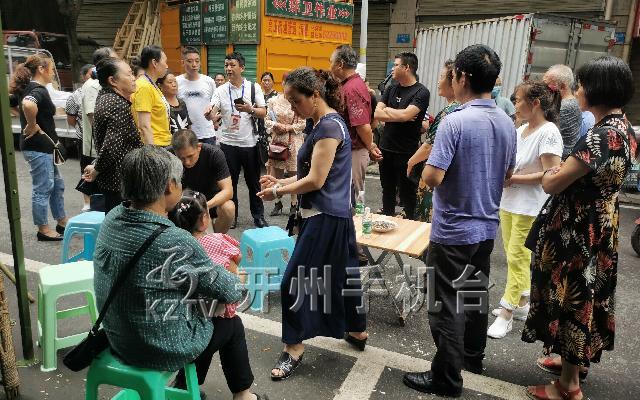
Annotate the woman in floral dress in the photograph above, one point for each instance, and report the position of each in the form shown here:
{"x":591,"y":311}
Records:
{"x":575,"y":267}
{"x":285,"y":128}
{"x":423,"y":203}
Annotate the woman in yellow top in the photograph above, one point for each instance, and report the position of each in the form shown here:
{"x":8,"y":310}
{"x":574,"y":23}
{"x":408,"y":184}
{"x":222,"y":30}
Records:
{"x":148,"y":105}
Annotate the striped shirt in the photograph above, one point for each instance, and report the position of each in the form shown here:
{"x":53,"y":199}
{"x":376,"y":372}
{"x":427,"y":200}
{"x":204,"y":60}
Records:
{"x":156,"y":319}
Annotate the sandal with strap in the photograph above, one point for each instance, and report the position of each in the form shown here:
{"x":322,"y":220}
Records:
{"x":548,"y":365}
{"x":287,"y":364}
{"x":540,"y":392}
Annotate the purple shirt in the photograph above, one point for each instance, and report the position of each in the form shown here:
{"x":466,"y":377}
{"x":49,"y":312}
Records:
{"x":476,"y":146}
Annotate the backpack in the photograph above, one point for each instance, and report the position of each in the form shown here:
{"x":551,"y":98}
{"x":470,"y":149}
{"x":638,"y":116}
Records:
{"x":259,"y":130}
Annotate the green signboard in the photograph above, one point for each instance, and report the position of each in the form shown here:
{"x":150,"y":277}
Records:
{"x":190,"y":24}
{"x":245,"y":21}
{"x":215,"y":22}
{"x":317,"y":10}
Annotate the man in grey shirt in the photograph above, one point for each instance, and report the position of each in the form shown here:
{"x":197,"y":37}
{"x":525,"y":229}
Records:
{"x":560,"y":78}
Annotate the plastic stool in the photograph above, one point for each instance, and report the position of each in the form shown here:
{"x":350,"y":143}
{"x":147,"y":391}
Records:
{"x":138,"y":383}
{"x":88,"y":225}
{"x":56,"y":281}
{"x":265,"y":254}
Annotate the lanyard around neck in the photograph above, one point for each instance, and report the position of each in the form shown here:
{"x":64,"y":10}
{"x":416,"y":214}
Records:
{"x":231,"y":99}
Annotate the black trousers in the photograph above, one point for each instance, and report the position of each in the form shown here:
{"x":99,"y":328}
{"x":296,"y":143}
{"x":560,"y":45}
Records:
{"x":460,"y":336}
{"x":393,"y":178}
{"x":111,"y":200}
{"x":247,"y":159}
{"x":229,"y":340}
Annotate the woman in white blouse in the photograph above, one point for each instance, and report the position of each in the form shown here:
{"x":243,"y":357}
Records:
{"x":539,"y":149}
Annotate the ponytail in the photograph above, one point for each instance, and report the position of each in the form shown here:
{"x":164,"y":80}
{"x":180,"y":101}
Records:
{"x":308,"y":80}
{"x":24,"y":73}
{"x":549,"y":97}
{"x":189,"y":210}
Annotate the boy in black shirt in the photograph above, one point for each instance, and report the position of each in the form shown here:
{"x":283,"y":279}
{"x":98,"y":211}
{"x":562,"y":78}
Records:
{"x":206,"y":171}
{"x":402,"y":109}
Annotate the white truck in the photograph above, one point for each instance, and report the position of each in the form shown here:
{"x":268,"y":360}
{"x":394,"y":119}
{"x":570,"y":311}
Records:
{"x":527,"y":45}
{"x":15,"y":55}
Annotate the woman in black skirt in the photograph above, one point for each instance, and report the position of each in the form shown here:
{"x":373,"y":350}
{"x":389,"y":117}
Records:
{"x":321,"y":291}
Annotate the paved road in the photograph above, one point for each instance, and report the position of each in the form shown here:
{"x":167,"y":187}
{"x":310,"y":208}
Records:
{"x":331,"y":369}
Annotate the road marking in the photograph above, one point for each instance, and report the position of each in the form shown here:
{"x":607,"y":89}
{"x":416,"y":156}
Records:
{"x":364,"y":375}
{"x":375,"y":359}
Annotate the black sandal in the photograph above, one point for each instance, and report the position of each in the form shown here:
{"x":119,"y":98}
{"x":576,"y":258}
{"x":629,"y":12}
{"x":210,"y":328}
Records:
{"x":287,"y":365}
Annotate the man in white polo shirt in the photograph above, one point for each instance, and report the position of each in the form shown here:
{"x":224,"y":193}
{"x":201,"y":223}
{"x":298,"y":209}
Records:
{"x":237,"y":137}
{"x":196,"y":90}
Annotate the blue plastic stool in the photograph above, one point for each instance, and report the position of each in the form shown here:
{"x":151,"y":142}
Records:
{"x":265,"y":254}
{"x":88,"y":225}
{"x":138,"y":383}
{"x":56,"y":281}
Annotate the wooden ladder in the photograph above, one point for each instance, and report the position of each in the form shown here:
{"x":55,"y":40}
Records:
{"x":141,"y":27}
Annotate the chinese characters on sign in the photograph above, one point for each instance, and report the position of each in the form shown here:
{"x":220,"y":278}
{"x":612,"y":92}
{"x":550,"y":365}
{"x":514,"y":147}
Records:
{"x":215,"y":23}
{"x":190,"y":24}
{"x":306,"y":30}
{"x":314,"y":10}
{"x":245,"y":21}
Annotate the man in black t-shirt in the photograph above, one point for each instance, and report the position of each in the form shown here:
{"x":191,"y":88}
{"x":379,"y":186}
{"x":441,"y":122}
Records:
{"x":402,"y":109}
{"x":206,"y":171}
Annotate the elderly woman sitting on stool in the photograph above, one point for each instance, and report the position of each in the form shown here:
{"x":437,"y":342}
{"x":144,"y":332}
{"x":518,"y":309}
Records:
{"x":155,"y":320}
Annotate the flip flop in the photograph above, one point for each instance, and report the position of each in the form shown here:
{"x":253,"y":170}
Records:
{"x":287,"y":364}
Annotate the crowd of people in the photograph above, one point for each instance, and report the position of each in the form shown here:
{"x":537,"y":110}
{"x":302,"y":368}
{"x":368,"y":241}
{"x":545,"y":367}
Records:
{"x":166,"y":151}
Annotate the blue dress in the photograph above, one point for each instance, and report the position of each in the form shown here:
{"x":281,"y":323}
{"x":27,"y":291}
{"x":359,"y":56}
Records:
{"x":321,"y":290}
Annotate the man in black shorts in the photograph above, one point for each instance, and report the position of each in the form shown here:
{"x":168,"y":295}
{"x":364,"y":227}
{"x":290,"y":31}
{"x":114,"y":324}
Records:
{"x":206,"y":171}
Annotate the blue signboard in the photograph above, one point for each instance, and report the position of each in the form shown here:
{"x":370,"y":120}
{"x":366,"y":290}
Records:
{"x":403,"y":38}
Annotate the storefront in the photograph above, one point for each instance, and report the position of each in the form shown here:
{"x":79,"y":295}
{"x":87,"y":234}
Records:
{"x":273,"y":35}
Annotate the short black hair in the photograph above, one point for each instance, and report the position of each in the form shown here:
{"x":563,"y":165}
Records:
{"x":189,"y":50}
{"x":160,"y":81}
{"x":347,"y":55}
{"x":409,"y":59}
{"x":236,"y":56}
{"x":149,"y":53}
{"x":221,"y":74}
{"x":267,"y":73}
{"x":100,"y":54}
{"x":106,"y":68}
{"x":184,"y":138}
{"x":606,"y":81}
{"x":481,"y":65}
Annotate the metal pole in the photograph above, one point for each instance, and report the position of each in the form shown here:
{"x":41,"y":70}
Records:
{"x":13,"y":212}
{"x":364,"y":17}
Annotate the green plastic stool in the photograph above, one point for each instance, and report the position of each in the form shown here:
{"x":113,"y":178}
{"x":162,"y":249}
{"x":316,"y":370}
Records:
{"x":56,"y":281}
{"x":138,"y":383}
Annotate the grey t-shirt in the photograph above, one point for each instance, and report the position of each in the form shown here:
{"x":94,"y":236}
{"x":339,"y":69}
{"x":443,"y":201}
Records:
{"x":569,"y":124}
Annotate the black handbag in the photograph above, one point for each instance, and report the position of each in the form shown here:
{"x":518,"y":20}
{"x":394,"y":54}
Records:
{"x":81,"y":356}
{"x":88,"y":188}
{"x":536,"y":227}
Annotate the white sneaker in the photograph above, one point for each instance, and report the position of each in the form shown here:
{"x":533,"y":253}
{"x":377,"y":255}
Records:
{"x":500,"y":328}
{"x":519,"y":313}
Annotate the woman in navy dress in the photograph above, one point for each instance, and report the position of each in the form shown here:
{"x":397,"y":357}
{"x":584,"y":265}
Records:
{"x":321,"y":291}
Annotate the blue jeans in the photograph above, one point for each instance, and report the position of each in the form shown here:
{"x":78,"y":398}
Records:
{"x":48,"y":187}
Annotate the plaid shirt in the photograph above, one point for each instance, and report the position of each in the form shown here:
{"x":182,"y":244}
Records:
{"x":221,"y":249}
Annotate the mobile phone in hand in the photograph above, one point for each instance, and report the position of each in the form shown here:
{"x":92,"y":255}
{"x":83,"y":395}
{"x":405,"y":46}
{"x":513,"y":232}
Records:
{"x":239,"y":100}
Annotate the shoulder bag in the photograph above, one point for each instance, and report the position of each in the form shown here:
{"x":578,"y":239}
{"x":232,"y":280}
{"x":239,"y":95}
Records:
{"x":81,"y":356}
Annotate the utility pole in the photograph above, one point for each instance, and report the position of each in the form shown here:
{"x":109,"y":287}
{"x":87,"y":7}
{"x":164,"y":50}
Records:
{"x":364,"y":17}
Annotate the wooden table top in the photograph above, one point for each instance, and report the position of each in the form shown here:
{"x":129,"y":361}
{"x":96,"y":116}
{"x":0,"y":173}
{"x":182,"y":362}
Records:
{"x":410,"y":237}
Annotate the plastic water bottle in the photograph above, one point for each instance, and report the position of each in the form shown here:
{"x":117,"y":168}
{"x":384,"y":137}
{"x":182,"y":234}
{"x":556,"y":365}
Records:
{"x":360,"y":203}
{"x":366,"y":221}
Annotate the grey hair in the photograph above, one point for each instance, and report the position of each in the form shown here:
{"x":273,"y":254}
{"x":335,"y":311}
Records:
{"x":146,"y":172}
{"x":347,"y":55}
{"x":562,"y":74}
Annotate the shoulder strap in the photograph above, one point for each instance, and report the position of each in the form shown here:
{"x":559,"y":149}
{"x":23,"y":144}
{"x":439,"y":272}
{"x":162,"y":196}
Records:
{"x":124,"y":274}
{"x":253,"y":93}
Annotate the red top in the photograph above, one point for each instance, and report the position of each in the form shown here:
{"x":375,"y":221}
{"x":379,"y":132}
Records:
{"x":357,"y":102}
{"x":222,"y":249}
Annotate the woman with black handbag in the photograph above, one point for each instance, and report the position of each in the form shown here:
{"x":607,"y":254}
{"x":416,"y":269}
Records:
{"x":39,"y":143}
{"x":285,"y":129}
